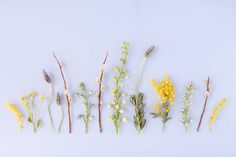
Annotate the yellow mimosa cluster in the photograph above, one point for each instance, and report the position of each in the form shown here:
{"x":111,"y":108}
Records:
{"x":164,"y":90}
{"x":217,"y":109}
{"x":17,"y":113}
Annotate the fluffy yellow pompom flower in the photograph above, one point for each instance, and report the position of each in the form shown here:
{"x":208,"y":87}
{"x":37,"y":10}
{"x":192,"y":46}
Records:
{"x":217,"y":109}
{"x":17,"y":113}
{"x":166,"y":94}
{"x":165,"y":89}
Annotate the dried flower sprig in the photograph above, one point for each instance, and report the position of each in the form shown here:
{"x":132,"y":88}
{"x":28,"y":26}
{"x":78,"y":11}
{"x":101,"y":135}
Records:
{"x":67,"y":94}
{"x":205,"y":103}
{"x":185,"y":112}
{"x":33,"y":112}
{"x":19,"y":116}
{"x":165,"y":92}
{"x":217,"y":110}
{"x":101,"y":89}
{"x":116,"y":103}
{"x":137,"y":98}
{"x":85,"y":94}
{"x":59,"y":104}
{"x":48,"y":80}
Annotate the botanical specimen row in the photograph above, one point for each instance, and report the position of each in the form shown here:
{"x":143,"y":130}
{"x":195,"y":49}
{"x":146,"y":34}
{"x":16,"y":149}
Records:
{"x":164,"y":89}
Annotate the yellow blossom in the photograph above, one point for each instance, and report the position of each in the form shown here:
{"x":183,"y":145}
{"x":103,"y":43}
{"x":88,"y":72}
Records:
{"x":17,"y":113}
{"x":164,"y":90}
{"x":33,"y":94}
{"x":42,"y":98}
{"x":217,"y":109}
{"x":157,"y":108}
{"x":166,"y":94}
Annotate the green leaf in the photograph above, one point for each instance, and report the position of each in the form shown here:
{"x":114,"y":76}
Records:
{"x":38,"y":123}
{"x":30,"y":120}
{"x":167,"y":119}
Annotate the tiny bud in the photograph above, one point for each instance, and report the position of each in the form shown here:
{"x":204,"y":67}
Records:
{"x":124,"y":119}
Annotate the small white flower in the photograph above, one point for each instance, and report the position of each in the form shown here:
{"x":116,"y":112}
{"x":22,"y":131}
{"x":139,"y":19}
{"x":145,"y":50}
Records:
{"x":113,"y":91}
{"x":109,"y":118}
{"x":117,"y":107}
{"x":66,"y":92}
{"x":123,"y":94}
{"x":124,"y":119}
{"x":97,"y":80}
{"x":116,"y":69}
{"x":121,"y":110}
{"x":90,"y":118}
{"x":113,"y":102}
{"x":121,"y":85}
{"x":124,"y":101}
{"x":108,"y":106}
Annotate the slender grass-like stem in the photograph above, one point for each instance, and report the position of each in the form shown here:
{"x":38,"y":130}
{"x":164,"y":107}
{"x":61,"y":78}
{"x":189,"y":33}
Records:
{"x":49,"y":106}
{"x":140,"y":72}
{"x":62,"y":117}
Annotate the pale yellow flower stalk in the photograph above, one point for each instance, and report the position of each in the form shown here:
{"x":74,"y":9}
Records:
{"x":217,"y":109}
{"x":17,"y":113}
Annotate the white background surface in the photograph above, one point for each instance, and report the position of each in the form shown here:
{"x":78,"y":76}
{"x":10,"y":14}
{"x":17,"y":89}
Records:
{"x":195,"y":39}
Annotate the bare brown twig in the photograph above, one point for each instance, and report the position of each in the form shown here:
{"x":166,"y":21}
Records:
{"x":100,"y":92}
{"x":66,"y":91}
{"x":206,"y":99}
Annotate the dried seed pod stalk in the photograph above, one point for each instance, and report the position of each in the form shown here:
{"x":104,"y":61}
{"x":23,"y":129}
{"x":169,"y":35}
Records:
{"x":84,"y":95}
{"x":117,"y":102}
{"x":100,"y":91}
{"x":67,"y":95}
{"x":137,"y":98}
{"x":185,"y":112}
{"x":205,"y":103}
{"x":48,"y":80}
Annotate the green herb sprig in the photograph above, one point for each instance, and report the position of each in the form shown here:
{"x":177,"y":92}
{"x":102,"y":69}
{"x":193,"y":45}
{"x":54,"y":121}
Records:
{"x":85,"y":94}
{"x":185,"y":112}
{"x":117,"y":101}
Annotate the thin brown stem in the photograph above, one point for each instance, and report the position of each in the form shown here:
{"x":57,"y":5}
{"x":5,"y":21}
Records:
{"x":100,"y":93}
{"x":206,"y":99}
{"x":66,"y":91}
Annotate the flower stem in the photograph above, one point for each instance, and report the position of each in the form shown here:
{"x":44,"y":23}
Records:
{"x":62,"y":117}
{"x":49,"y":106}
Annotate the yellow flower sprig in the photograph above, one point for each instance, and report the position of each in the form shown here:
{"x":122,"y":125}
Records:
{"x":33,"y":112}
{"x":217,"y":109}
{"x":18,"y":114}
{"x":166,"y":94}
